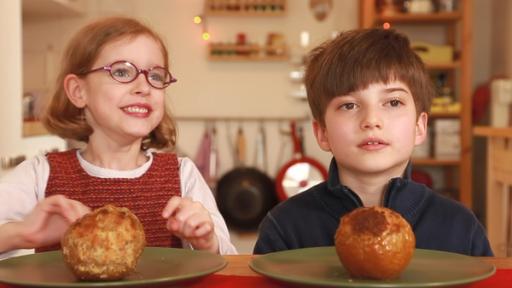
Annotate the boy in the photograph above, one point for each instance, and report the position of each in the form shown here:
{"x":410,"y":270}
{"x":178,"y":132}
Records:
{"x":369,"y":94}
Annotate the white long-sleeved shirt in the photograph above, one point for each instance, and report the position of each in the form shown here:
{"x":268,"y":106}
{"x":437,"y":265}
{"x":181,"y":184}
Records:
{"x":25,"y":186}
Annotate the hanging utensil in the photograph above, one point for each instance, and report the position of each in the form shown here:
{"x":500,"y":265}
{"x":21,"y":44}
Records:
{"x":214,"y":155}
{"x":240,"y":147}
{"x":260,"y":157}
{"x":202,"y":159}
{"x":300,"y":173}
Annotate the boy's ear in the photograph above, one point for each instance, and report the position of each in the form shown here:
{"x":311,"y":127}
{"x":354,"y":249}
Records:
{"x":421,"y":128}
{"x":73,"y":86}
{"x":321,"y":136}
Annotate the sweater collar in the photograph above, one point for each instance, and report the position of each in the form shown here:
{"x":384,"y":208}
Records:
{"x":402,"y":195}
{"x":334,"y":183}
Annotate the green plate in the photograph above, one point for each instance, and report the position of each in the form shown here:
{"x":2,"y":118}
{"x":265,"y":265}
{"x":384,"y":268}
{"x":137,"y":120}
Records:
{"x":321,"y":266}
{"x":155,"y":266}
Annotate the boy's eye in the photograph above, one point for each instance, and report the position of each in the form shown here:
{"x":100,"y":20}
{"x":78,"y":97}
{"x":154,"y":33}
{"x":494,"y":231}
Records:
{"x":348,"y":106}
{"x":395,"y":103}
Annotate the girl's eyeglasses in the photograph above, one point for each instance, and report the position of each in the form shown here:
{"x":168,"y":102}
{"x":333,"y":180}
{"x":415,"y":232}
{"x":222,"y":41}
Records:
{"x":126,"y":72}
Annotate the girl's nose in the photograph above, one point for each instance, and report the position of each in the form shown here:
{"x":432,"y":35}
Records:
{"x":142,"y":86}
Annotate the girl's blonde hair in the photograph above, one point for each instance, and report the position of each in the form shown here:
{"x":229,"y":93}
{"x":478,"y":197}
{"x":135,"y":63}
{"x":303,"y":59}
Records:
{"x":65,"y":119}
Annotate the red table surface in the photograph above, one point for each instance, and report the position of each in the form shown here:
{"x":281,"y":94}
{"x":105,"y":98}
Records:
{"x":502,"y":278}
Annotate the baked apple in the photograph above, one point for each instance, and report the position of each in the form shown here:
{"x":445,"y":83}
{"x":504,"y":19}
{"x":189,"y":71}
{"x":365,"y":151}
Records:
{"x":104,"y":244}
{"x":374,"y":243}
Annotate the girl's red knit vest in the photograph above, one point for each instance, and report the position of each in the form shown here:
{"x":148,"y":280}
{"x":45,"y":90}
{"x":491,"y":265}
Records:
{"x":146,"y":196}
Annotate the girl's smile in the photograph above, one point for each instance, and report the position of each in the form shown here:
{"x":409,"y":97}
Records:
{"x":137,"y":110}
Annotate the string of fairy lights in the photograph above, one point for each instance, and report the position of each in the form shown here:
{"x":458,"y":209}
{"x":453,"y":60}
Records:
{"x":200,"y":20}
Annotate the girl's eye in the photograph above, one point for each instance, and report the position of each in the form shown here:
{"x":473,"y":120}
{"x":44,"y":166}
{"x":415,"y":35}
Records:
{"x":123,"y":73}
{"x":157,"y":77}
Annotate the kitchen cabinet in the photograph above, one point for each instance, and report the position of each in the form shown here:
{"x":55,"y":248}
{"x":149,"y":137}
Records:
{"x":455,"y":28}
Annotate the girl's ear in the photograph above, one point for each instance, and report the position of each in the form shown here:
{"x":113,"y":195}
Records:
{"x":73,"y":86}
{"x":421,"y":128}
{"x":321,"y":136}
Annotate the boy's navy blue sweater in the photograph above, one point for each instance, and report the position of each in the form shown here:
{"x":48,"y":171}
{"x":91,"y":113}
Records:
{"x":310,"y":218}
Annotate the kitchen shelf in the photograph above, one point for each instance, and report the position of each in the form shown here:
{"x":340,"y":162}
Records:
{"x":503,"y":132}
{"x":421,"y":18}
{"x":445,"y":115}
{"x":249,"y":52}
{"x":275,"y":48}
{"x":244,"y":8}
{"x":245,"y":13}
{"x":33,"y":128}
{"x":443,"y":66}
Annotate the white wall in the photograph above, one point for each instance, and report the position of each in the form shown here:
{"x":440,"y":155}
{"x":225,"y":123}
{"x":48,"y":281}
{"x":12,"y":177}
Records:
{"x":10,"y":72}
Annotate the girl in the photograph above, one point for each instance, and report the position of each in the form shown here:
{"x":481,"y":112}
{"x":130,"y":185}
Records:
{"x":111,"y":95}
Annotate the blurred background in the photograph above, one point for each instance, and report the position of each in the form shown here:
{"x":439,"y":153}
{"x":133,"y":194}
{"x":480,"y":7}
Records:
{"x":240,"y":104}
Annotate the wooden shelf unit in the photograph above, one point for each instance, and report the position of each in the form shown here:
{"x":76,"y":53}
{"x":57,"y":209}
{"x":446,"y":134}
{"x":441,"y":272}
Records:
{"x":458,"y":33}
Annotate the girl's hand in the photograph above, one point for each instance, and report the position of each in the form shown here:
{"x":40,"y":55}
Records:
{"x":189,"y":220}
{"x":49,"y":220}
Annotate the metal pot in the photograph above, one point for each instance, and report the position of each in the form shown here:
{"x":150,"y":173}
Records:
{"x":245,"y":194}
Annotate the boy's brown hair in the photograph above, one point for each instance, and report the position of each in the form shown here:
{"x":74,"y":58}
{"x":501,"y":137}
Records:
{"x":66,"y":120}
{"x":357,"y":58}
